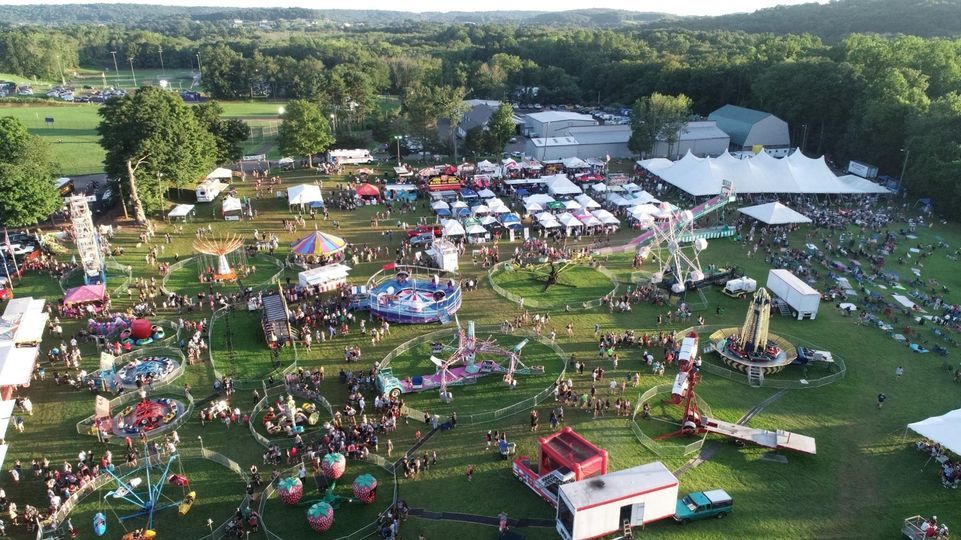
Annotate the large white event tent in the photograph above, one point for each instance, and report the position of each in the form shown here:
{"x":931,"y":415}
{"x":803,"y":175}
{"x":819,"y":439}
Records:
{"x":304,"y":194}
{"x":561,"y":185}
{"x":941,"y":429}
{"x":774,"y":213}
{"x":762,"y":173}
{"x":453,"y":228}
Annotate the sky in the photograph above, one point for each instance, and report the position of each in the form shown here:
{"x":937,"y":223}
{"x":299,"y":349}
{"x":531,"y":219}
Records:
{"x":679,"y":7}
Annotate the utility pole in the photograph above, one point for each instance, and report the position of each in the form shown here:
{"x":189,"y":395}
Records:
{"x":199,"y":68}
{"x":163,"y":70}
{"x":116,"y":70}
{"x":904,"y":166}
{"x":132,"y":72}
{"x":397,"y":139}
{"x":63,"y":81}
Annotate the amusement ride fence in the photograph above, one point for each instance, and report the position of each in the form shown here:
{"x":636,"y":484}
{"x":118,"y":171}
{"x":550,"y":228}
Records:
{"x":534,"y":303}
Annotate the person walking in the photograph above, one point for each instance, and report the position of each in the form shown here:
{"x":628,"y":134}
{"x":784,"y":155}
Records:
{"x":470,"y":473}
{"x":899,"y":371}
{"x":881,"y":399}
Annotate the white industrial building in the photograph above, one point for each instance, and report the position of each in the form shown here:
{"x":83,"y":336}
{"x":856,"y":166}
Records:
{"x":584,"y":142}
{"x":749,"y":128}
{"x":701,"y":138}
{"x":552,"y":123}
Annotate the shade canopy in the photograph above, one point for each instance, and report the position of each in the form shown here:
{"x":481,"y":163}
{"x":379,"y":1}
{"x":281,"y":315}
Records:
{"x":304,"y":194}
{"x":231,"y":204}
{"x":319,"y":243}
{"x":84,"y":294}
{"x":16,"y":364}
{"x":322,"y":275}
{"x":368,"y":190}
{"x":453,"y":228}
{"x":586,"y":201}
{"x":762,"y":173}
{"x":181,"y":210}
{"x":561,"y":185}
{"x":943,"y":430}
{"x":774,"y":213}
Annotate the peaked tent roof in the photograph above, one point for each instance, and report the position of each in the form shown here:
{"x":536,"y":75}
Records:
{"x":737,"y":121}
{"x":319,"y":243}
{"x":774,"y":213}
{"x":84,"y":294}
{"x":941,"y":429}
{"x":304,"y":194}
{"x":762,"y":173}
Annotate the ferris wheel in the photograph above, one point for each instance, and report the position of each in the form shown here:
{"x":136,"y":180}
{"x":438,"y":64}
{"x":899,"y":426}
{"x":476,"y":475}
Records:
{"x":672,"y":248}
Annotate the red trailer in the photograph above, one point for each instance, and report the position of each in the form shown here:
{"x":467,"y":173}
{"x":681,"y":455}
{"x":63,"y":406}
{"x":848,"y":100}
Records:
{"x":565,"y":457}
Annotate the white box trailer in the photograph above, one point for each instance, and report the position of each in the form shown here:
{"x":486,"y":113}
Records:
{"x":803,"y":299}
{"x":350,"y":157}
{"x":599,"y":506}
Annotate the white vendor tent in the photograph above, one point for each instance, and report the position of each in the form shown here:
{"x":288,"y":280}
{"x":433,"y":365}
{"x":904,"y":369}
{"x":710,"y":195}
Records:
{"x":531,"y":207}
{"x":572,"y":205}
{"x":486,"y":194}
{"x":220,"y":173}
{"x":944,"y":430}
{"x":586,"y":201}
{"x":23,"y":322}
{"x":304,"y":194}
{"x":476,"y":228}
{"x":16,"y":364}
{"x":181,"y":211}
{"x":231,"y":204}
{"x":453,"y":228}
{"x":439,"y":205}
{"x":547,"y":221}
{"x":561,"y":185}
{"x":762,"y":173}
{"x":539,"y":198}
{"x":568,"y":220}
{"x":575,"y":163}
{"x":774,"y":213}
{"x":642,"y":197}
{"x":6,"y":413}
{"x":605,"y":217}
{"x":324,"y":276}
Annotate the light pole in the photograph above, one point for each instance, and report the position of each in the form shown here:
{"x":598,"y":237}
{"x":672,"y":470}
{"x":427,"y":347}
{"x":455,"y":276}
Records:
{"x":63,"y":81}
{"x":397,"y":139}
{"x":904,"y":166}
{"x":200,"y":70}
{"x":132,"y":72}
{"x":804,"y":138}
{"x":333,"y":121}
{"x":201,"y":439}
{"x":116,"y":70}
{"x":163,"y":70}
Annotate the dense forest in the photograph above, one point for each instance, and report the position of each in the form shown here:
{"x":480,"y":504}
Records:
{"x":864,"y":96}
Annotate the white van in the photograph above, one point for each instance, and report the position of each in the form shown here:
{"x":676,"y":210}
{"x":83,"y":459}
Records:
{"x":349,"y":157}
{"x":208,"y":190}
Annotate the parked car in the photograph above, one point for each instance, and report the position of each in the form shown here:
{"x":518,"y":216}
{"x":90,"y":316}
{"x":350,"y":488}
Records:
{"x":422,"y":240}
{"x":437,"y":230}
{"x":715,"y":503}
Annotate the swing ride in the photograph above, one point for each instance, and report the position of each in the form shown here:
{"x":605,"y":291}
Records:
{"x":219,"y":248}
{"x":551,"y":274}
{"x":461,"y":367}
{"x":143,"y":488}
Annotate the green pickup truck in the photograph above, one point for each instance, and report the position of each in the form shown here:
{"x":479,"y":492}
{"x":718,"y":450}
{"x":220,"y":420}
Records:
{"x":703,"y":504}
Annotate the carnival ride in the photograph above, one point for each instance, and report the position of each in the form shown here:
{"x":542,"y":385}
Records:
{"x":87,"y":240}
{"x":143,"y":488}
{"x":668,"y":235}
{"x":693,"y":422}
{"x":289,"y":418}
{"x":320,"y":512}
{"x":407,"y":298}
{"x":565,"y":456}
{"x":552,"y":273}
{"x":146,"y":416}
{"x":219,"y":248}
{"x":461,"y":367}
{"x":752,"y":349}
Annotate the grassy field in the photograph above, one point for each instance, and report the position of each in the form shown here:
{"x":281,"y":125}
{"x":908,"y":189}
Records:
{"x":575,"y":286}
{"x":865,"y":478}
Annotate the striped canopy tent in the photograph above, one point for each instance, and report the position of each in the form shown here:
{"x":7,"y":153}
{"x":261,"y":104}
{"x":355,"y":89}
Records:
{"x":318,"y":243}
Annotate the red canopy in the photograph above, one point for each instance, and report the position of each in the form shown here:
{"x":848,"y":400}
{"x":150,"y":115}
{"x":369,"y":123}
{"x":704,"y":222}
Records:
{"x":84,"y":294}
{"x":368,"y":190}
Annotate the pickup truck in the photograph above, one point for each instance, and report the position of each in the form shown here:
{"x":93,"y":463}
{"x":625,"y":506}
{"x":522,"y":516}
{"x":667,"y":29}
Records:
{"x":715,"y":503}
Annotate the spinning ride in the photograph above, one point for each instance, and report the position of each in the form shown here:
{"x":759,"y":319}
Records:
{"x":679,"y":263}
{"x":143,"y":488}
{"x":147,"y":415}
{"x":461,"y":367}
{"x":219,"y":248}
{"x":407,"y":298}
{"x":153,"y":368}
{"x":752,"y":348}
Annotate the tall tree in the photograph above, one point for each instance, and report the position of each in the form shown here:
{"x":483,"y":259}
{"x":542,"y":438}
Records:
{"x":449,"y":103}
{"x":154,"y":141}
{"x":26,"y":176}
{"x":934,"y":140}
{"x":305,"y":130}
{"x":500,"y":126}
{"x":229,"y":134}
{"x":658,"y":117}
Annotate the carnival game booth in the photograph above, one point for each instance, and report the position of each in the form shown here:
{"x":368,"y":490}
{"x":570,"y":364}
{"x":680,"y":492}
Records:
{"x":565,"y":456}
{"x":368,"y":193}
{"x":232,"y":208}
{"x":85,"y":301}
{"x":304,"y":196}
{"x":601,"y":506}
{"x":413,"y":294}
{"x":324,"y":278}
{"x":182,"y":212}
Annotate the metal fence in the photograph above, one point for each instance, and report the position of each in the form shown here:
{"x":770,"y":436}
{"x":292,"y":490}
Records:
{"x":246,"y":384}
{"x":274,"y":391}
{"x":534,"y":303}
{"x":113,"y":269}
{"x":658,"y":447}
{"x":276,"y":261}
{"x":839,"y":367}
{"x":498,"y":414}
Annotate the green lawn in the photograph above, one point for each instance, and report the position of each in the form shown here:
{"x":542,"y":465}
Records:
{"x":575,"y":285}
{"x":865,"y":477}
{"x":185,"y":279}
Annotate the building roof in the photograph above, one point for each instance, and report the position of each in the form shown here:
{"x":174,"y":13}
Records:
{"x":737,"y":121}
{"x":618,"y":485}
{"x":774,"y":213}
{"x":553,"y":141}
{"x":700,"y":131}
{"x":599,"y":134}
{"x":558,"y":116}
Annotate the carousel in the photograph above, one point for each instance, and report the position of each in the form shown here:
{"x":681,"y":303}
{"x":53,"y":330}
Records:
{"x":317,"y":248}
{"x":289,"y":419}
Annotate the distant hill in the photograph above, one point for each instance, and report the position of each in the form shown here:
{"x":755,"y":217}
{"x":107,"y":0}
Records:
{"x":132,"y":14}
{"x":833,"y":21}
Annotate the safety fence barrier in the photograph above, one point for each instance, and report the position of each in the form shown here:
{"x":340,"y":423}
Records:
{"x":275,"y":261}
{"x":534,"y":303}
{"x":658,"y":447}
{"x":50,"y":527}
{"x":246,"y":384}
{"x":87,"y":426}
{"x":838,"y":368}
{"x":498,"y":414}
{"x":115,"y":271}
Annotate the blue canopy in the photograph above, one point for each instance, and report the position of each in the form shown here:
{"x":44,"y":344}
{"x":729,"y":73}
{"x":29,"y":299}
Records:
{"x":523,"y":192}
{"x":443,"y":212}
{"x":468,"y":193}
{"x":462,"y":212}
